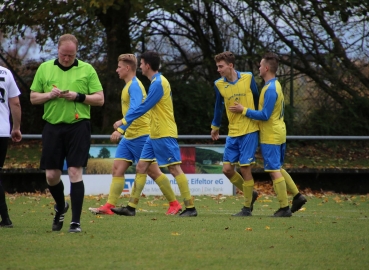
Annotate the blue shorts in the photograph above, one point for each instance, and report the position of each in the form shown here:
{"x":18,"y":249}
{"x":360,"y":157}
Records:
{"x":273,"y":156}
{"x":164,"y":150}
{"x":241,"y":149}
{"x":130,"y":150}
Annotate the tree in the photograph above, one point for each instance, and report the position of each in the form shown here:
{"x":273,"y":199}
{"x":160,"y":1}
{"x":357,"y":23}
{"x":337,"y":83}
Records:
{"x":330,"y":43}
{"x":104,"y":153}
{"x":103,"y":29}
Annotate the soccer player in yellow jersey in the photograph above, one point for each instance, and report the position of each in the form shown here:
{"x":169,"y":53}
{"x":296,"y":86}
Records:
{"x":161,"y":145}
{"x":273,"y":134}
{"x":130,"y":146}
{"x":242,"y":139}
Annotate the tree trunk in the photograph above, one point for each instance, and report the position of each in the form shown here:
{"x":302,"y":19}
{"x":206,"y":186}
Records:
{"x":116,"y":23}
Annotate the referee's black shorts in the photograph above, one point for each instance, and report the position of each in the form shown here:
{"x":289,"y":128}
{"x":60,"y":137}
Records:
{"x":65,"y":141}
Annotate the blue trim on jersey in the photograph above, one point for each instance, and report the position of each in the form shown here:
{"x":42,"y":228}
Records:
{"x":156,"y":92}
{"x":255,"y":90}
{"x":270,"y":97}
{"x":218,"y":108}
{"x":135,"y":97}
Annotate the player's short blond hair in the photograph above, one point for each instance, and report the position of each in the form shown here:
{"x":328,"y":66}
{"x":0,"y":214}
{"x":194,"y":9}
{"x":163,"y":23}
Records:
{"x":129,"y":59}
{"x":68,"y":37}
{"x":227,"y":57}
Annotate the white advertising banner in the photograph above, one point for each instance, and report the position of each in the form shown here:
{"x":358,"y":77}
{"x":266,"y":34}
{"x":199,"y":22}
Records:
{"x":200,"y":184}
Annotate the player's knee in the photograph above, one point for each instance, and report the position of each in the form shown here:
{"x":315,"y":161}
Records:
{"x":53,"y":177}
{"x":175,"y":170}
{"x":142,"y":167}
{"x":228,"y":172}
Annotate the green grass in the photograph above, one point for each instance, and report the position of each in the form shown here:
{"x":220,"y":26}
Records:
{"x":332,"y":233}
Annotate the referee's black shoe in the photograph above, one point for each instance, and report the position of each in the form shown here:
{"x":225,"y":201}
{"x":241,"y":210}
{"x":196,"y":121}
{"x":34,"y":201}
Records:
{"x":59,"y":218}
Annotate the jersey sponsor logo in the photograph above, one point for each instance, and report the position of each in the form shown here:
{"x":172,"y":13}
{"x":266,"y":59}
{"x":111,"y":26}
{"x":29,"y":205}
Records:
{"x":3,"y":72}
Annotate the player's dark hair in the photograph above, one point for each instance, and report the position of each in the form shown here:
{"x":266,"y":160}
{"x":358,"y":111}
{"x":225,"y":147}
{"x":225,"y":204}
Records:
{"x":227,"y":57}
{"x":272,"y":60}
{"x":152,"y":58}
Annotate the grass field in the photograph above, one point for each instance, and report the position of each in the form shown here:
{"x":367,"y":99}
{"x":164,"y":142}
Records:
{"x":330,"y":233}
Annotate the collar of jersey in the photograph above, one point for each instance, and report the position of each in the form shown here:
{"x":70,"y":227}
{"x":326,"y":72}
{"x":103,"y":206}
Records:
{"x":271,"y":80}
{"x":155,"y":76}
{"x":75,"y":64}
{"x":238,"y":77}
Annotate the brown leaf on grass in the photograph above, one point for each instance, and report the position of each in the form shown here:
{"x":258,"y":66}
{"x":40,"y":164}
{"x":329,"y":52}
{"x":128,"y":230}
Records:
{"x":248,"y":229}
{"x":226,"y":228}
{"x":154,"y":218}
{"x":175,"y":233}
{"x":271,"y":247}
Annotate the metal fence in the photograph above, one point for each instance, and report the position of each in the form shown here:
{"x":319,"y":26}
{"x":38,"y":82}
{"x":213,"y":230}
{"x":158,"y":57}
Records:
{"x":202,"y":137}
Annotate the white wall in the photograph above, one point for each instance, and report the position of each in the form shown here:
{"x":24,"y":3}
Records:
{"x":200,"y":184}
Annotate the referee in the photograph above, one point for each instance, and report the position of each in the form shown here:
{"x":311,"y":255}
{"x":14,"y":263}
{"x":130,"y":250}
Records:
{"x":67,"y":87}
